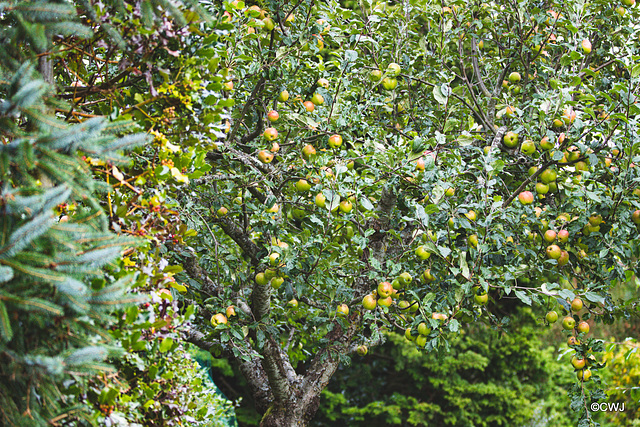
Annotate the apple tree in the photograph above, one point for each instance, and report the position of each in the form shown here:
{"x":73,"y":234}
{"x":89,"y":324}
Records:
{"x":404,"y":166}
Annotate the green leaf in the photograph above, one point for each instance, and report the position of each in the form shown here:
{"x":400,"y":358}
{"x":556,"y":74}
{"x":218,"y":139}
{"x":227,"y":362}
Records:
{"x":5,"y":325}
{"x":522,"y":296}
{"x":166,"y":345}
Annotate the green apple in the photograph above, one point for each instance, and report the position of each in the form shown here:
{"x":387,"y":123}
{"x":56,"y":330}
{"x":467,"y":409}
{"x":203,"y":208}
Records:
{"x":552,"y":317}
{"x":584,"y":375}
{"x":481,"y":299}
{"x":568,"y":323}
{"x":389,"y":83}
{"x":553,"y":252}
{"x":345,"y":206}
{"x":261,"y":279}
{"x":369,"y":302}
{"x":317,"y":99}
{"x":321,"y":200}
{"x":422,"y":253}
{"x":375,"y":75}
{"x":342,"y":310}
{"x":528,"y":147}
{"x":276,"y":282}
{"x":515,"y":77}
{"x":545,"y":144}
{"x":302,"y":186}
{"x":510,"y":139}
{"x":393,"y":69}
{"x":424,"y":329}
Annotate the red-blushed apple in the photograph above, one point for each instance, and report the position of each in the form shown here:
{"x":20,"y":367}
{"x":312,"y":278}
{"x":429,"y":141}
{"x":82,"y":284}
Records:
{"x":563,"y":236}
{"x":265,"y":157}
{"x":635,"y":217}
{"x":526,"y":197}
{"x":549,"y":236}
{"x":441,"y":317}
{"x":218,"y":319}
{"x":385,"y":302}
{"x":222,"y":211}
{"x":335,"y":141}
{"x":586,"y":46}
{"x":576,"y":304}
{"x":573,"y":341}
{"x":323,"y":82}
{"x":321,"y":200}
{"x":308,"y":151}
{"x":420,"y":164}
{"x":270,"y":134}
{"x":384,"y":289}
{"x":345,"y":206}
{"x":309,"y":106}
{"x":230,"y":311}
{"x":273,"y":116}
{"x":564,"y":259}
{"x":227,"y":86}
{"x":545,"y":144}
{"x":578,"y":362}
{"x":583,"y":327}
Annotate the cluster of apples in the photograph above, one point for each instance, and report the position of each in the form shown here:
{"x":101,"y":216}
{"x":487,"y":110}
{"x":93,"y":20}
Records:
{"x":579,"y":361}
{"x":271,"y":133}
{"x":272,"y":275}
{"x":223,"y":318}
{"x":388,"y":79}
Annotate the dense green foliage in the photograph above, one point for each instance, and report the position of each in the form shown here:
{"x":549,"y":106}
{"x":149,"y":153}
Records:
{"x":63,"y":270}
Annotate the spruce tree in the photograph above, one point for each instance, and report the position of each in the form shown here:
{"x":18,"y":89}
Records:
{"x":55,"y":292}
